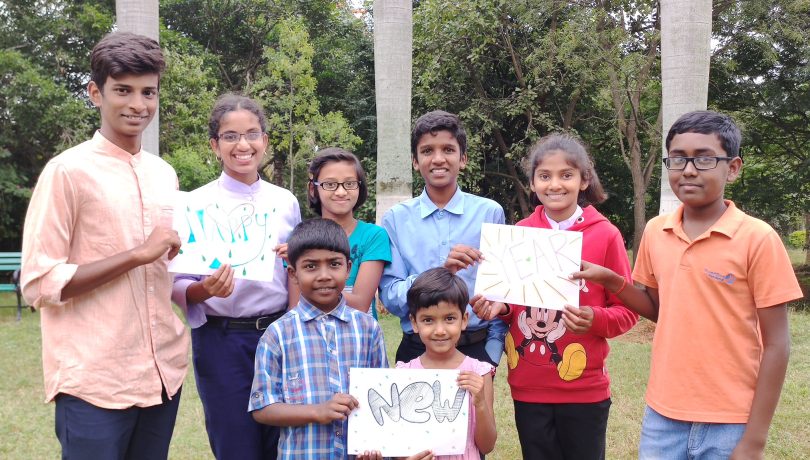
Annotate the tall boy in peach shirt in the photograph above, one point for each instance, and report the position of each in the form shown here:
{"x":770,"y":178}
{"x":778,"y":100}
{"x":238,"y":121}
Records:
{"x":96,"y":244}
{"x":716,"y":281}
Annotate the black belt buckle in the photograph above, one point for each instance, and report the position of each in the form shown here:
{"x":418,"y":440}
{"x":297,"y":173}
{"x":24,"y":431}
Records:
{"x":263,"y":322}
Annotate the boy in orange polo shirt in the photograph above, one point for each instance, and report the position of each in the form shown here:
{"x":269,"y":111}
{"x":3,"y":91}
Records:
{"x":716,"y":281}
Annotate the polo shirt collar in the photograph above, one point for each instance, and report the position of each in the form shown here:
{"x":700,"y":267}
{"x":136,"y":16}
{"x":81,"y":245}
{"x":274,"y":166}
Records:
{"x":727,"y":224}
{"x":106,"y":147}
{"x":428,"y":207}
{"x":232,"y":185}
{"x":308,"y":312}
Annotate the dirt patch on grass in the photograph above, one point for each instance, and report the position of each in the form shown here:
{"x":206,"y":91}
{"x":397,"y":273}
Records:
{"x":642,"y":332}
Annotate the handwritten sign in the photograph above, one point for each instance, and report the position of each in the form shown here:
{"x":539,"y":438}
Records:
{"x":405,"y":411}
{"x":529,"y":266}
{"x":214,"y":233}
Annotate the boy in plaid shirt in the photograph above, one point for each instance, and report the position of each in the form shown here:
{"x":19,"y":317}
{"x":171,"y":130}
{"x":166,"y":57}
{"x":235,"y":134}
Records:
{"x":301,"y":380}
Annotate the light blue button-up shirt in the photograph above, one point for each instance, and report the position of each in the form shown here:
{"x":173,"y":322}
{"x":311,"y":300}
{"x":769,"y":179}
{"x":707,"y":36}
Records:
{"x":421,"y":238}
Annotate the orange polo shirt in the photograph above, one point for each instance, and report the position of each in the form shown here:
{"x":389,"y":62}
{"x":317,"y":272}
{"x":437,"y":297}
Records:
{"x":118,"y":345}
{"x":707,"y":346}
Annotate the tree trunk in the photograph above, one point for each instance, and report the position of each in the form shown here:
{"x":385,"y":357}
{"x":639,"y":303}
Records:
{"x":141,"y":17}
{"x":290,"y":151}
{"x":686,"y":29}
{"x":393,"y":56}
{"x":807,"y":238}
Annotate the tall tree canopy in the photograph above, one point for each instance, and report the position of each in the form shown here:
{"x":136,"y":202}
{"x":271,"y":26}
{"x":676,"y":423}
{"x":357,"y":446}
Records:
{"x":514,"y":71}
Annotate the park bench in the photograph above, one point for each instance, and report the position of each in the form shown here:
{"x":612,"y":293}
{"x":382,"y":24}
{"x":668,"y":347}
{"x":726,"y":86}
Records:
{"x":10,"y":263}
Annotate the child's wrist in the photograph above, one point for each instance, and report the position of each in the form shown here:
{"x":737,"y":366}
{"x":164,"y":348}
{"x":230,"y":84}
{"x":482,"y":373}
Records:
{"x":620,"y":288}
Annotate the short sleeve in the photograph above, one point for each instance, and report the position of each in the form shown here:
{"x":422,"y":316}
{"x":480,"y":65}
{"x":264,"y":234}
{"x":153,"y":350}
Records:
{"x":643,"y":270}
{"x":771,"y":277}
{"x":412,"y":364}
{"x":378,"y":245}
{"x":483,"y":368}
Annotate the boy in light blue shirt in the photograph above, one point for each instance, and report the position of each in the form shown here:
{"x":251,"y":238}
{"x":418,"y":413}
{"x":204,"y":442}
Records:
{"x":441,"y":227}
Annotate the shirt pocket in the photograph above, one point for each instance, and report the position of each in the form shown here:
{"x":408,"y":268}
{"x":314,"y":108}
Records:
{"x":294,"y":388}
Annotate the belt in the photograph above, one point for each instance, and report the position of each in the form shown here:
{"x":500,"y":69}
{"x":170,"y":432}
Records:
{"x":256,"y":323}
{"x":467,"y":337}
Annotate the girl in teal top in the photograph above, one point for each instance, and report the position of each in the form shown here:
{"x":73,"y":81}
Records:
{"x":337,"y":187}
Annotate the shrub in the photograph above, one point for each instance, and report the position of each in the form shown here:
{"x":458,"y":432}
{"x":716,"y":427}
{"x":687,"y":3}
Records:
{"x":798,"y":239}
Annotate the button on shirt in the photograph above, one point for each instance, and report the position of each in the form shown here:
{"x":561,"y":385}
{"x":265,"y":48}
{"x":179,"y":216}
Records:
{"x":304,"y":358}
{"x":422,"y":236}
{"x":118,"y":345}
{"x":249,"y":298}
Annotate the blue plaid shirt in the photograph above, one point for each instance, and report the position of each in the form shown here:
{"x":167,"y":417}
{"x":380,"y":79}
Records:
{"x":304,"y":358}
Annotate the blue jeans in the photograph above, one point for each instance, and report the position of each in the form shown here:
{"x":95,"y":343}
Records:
{"x":668,"y":439}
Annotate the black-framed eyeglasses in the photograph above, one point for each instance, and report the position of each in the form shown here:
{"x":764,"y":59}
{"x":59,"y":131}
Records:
{"x":232,"y":137}
{"x":332,"y":186}
{"x":700,"y":163}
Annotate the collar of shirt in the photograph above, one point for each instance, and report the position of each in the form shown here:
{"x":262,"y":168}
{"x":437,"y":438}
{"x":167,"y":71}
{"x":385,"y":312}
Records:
{"x":567,"y":223}
{"x":104,"y":146}
{"x":727,"y":224}
{"x":428,"y":207}
{"x":308,"y":312}
{"x":232,"y":185}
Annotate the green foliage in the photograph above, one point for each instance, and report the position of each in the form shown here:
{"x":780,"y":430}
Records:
{"x":39,"y":118}
{"x":287,"y":88}
{"x":760,"y":75}
{"x":188,"y":90}
{"x":798,"y":239}
{"x":516,"y":71}
{"x":44,"y":62}
{"x":194,"y":167}
{"x":56,"y":36}
{"x":513,"y":71}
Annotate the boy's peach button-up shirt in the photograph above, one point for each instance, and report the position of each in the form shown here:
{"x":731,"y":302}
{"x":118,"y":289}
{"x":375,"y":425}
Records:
{"x":118,"y":345}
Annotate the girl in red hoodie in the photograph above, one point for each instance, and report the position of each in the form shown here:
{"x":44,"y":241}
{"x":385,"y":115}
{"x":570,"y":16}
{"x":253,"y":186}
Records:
{"x":557,"y":358}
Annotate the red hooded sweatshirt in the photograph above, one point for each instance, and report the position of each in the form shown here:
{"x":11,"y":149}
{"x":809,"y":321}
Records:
{"x":547,"y":363}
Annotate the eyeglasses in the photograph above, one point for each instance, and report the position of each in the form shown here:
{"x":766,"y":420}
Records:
{"x":700,"y":163}
{"x":232,"y":137}
{"x":332,"y":186}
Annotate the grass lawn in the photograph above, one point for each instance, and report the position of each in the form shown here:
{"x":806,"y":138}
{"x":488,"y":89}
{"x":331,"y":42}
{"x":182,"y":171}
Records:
{"x":27,"y":428}
{"x":797,"y":256}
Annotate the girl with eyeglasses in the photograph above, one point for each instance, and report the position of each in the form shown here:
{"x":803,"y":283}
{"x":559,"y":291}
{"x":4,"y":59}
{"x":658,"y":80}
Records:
{"x":228,"y":316}
{"x":337,"y":188}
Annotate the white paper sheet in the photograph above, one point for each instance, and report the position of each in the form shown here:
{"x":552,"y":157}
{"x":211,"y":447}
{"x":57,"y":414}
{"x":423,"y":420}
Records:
{"x":405,"y":411}
{"x":529,"y":266}
{"x":213,"y":233}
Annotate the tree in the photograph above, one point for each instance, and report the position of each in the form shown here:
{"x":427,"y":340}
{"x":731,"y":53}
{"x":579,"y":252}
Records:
{"x":188,"y":89}
{"x":393,"y":37}
{"x":761,"y":76}
{"x":44,"y":62}
{"x":39,"y":118}
{"x":516,"y":71}
{"x":141,"y":17}
{"x":629,"y":41}
{"x":287,"y":88}
{"x":686,"y":29}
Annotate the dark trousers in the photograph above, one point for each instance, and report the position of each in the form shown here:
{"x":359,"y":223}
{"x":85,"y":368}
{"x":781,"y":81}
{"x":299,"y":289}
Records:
{"x":411,"y":348}
{"x":223,"y":367}
{"x":562,"y":431}
{"x":90,"y":432}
